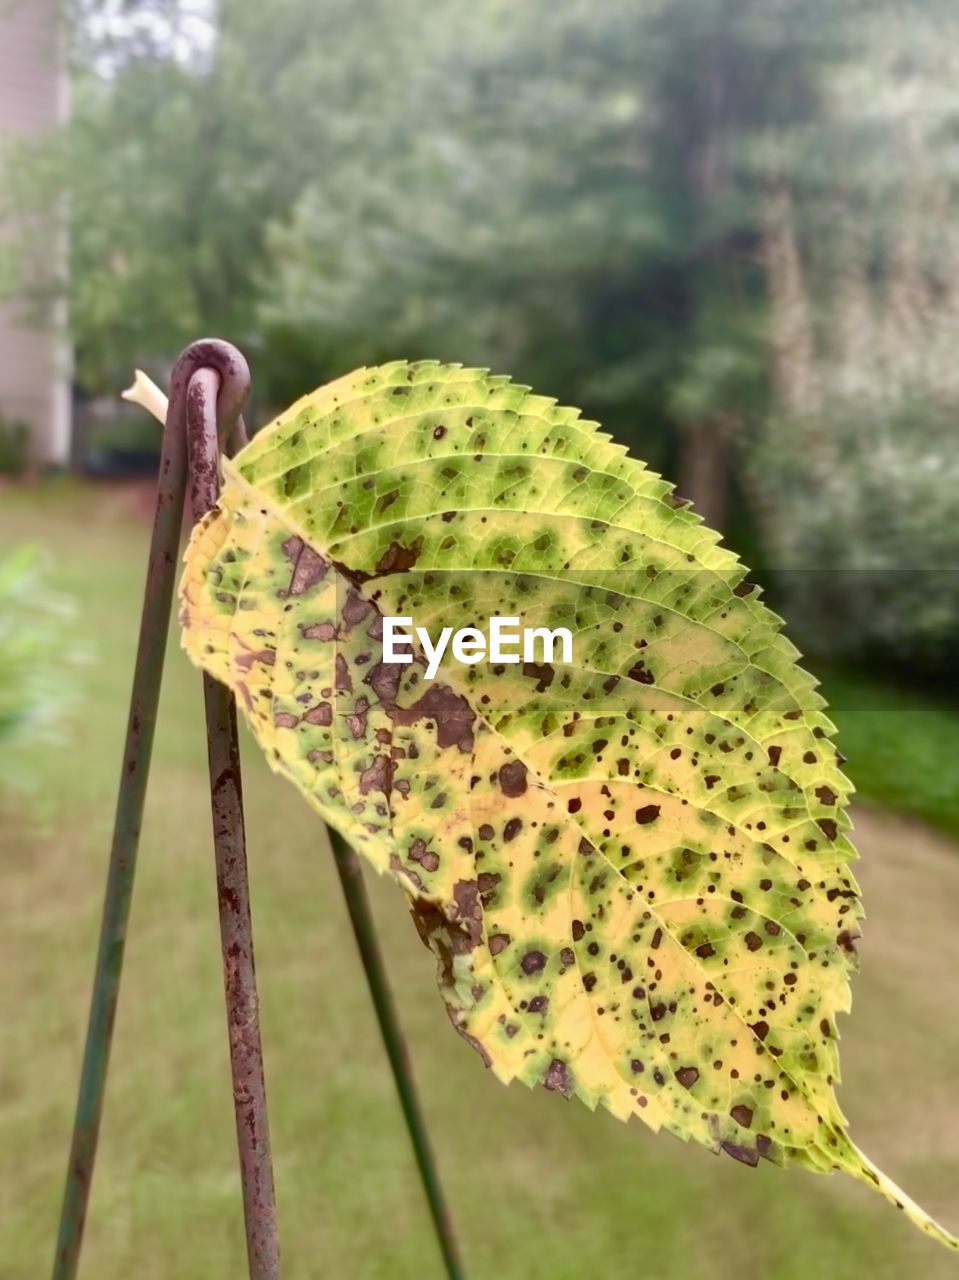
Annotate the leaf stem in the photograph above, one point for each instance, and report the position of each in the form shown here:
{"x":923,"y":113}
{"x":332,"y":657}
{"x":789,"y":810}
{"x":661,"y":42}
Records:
{"x":145,"y":392}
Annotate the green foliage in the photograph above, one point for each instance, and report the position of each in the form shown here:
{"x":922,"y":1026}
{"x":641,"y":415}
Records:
{"x":35,"y":652}
{"x":633,"y":867}
{"x":509,"y":182}
{"x":583,"y":193}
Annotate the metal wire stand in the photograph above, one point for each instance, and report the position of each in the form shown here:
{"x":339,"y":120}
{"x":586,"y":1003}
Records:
{"x":208,"y":388}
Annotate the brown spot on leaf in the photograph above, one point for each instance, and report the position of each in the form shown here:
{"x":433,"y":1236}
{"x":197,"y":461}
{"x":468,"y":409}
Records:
{"x":746,"y":1155}
{"x":418,"y":852}
{"x":469,"y":909}
{"x":356,"y":721}
{"x":558,"y":1078}
{"x":397,"y":559}
{"x":847,"y":940}
{"x":384,"y":679}
{"x":244,"y":661}
{"x":343,"y":682}
{"x":355,"y":608}
{"x":487,"y":881}
{"x":309,"y":567}
{"x":453,"y":715}
{"x":318,"y":631}
{"x":543,"y":673}
{"x":640,"y":673}
{"x":377,"y":777}
{"x":512,"y":778}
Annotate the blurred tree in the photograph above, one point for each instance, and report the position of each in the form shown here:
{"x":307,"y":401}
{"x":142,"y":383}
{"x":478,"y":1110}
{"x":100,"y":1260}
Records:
{"x":488,"y":204}
{"x":572,"y":193}
{"x":457,"y":179}
{"x":558,"y":190}
{"x":719,"y":225}
{"x":858,"y":457}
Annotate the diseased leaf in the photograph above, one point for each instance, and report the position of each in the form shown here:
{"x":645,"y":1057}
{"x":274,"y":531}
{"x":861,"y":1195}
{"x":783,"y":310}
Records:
{"x":633,"y":868}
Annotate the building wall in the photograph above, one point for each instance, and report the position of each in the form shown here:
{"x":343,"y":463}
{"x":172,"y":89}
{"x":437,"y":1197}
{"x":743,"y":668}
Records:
{"x":34,"y":363}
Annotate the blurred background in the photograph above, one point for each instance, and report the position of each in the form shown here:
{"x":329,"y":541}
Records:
{"x":728,"y":230}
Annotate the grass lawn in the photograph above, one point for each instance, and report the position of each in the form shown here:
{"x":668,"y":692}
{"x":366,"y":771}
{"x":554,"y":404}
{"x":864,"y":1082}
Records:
{"x":903,"y":746}
{"x":540,"y":1187}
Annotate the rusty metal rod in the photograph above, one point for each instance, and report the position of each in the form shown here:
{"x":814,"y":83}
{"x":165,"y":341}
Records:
{"x":208,"y":371}
{"x":364,"y":931}
{"x":135,"y":766}
{"x":233,"y":889}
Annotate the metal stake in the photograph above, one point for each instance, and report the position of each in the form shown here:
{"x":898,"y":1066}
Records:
{"x":233,"y":375}
{"x":233,"y":888}
{"x":210,"y":382}
{"x":364,"y":930}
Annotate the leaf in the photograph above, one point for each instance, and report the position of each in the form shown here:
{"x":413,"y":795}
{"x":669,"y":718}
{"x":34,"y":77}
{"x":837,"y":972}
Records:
{"x":634,"y":869}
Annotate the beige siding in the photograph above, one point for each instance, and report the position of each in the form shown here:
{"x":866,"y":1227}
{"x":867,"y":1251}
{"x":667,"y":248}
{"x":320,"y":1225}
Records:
{"x":33,"y":366}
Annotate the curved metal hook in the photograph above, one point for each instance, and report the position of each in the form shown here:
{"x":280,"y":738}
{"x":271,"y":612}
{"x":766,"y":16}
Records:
{"x":234,"y":373}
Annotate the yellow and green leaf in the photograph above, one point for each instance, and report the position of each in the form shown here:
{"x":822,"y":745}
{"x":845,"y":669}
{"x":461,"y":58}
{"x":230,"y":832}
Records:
{"x":633,"y":868}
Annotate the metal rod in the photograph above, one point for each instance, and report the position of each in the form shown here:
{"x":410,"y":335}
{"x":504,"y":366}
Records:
{"x":233,"y":889}
{"x":364,"y":930}
{"x":205,"y":369}
{"x":135,"y":767}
